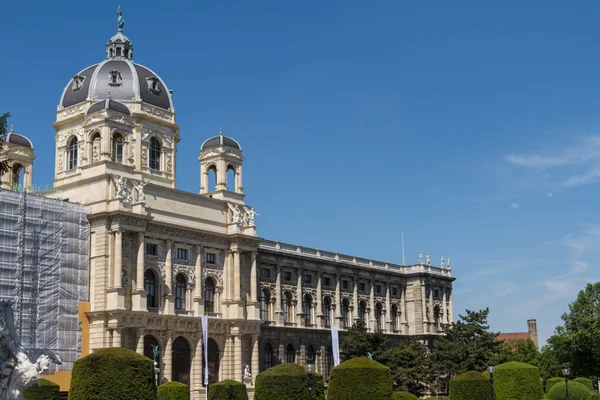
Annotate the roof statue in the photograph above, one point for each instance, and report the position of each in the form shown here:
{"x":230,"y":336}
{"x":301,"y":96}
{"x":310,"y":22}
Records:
{"x":120,"y":20}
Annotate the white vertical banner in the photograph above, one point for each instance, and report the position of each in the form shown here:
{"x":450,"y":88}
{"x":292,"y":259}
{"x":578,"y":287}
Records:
{"x":205,"y":346}
{"x":335,"y":345}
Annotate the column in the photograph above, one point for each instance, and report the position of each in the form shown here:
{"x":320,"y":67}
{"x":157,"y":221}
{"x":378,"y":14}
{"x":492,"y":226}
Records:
{"x":237,"y":357}
{"x":388,"y":308}
{"x":197,"y":374}
{"x":199,"y":310}
{"x":239,"y":188}
{"x":221,"y":175}
{"x":278,"y":297}
{"x":355,"y":300}
{"x":403,"y":305}
{"x":138,"y":298}
{"x":167,"y":370}
{"x":139,"y":341}
{"x":444,"y":306}
{"x":255,"y":356}
{"x":424,"y":305}
{"x":169,"y":306}
{"x":254,"y":306}
{"x":203,"y":180}
{"x":300,"y":299}
{"x":319,"y":310}
{"x":338,"y":298}
{"x":372,"y":308}
{"x":116,"y":337}
{"x":431,"y":311}
{"x":118,"y":260}
{"x":236,"y":275}
{"x":450,"y":307}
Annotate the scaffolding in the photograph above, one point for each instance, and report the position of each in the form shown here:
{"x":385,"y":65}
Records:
{"x":44,"y":257}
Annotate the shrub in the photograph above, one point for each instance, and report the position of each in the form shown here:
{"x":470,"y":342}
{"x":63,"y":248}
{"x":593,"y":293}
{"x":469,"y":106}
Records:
{"x":471,"y":385}
{"x":404,"y":396}
{"x":359,"y":379}
{"x":113,"y":373}
{"x":594,"y":396}
{"x":517,"y":381}
{"x":227,"y":390}
{"x":553,"y":381}
{"x":287,"y":382}
{"x":586,"y":382}
{"x":173,"y":391}
{"x":45,"y":391}
{"x":577,"y":391}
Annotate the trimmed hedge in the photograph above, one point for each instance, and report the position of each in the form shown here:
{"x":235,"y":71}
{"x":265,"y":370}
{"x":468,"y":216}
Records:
{"x":173,"y":391}
{"x":404,"y":396}
{"x":577,"y":391}
{"x":594,"y":396}
{"x":472,"y":385}
{"x":45,"y":391}
{"x":113,"y":373}
{"x":517,"y":381}
{"x":287,"y":382}
{"x":360,"y":379}
{"x":586,"y":382}
{"x":553,"y":381}
{"x":227,"y":390}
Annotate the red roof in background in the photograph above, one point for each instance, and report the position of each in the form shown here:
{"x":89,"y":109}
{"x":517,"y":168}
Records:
{"x":514,"y":335}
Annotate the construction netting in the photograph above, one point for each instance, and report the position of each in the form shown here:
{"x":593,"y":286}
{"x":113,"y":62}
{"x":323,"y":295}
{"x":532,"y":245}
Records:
{"x":44,"y":256}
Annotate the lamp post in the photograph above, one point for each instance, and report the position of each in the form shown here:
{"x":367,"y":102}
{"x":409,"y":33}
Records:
{"x":491,"y":371}
{"x":566,"y":372}
{"x":310,"y":371}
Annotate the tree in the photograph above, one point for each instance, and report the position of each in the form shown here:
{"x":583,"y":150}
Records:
{"x":577,"y":342}
{"x":358,"y":342}
{"x":548,"y":363}
{"x":466,"y":345}
{"x":409,"y":365}
{"x":3,"y":131}
{"x":521,"y":350}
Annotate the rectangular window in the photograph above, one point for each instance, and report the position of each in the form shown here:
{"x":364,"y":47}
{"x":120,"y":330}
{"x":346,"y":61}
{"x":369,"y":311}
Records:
{"x":287,"y":276}
{"x":378,"y":289}
{"x":394,"y":291}
{"x":327,"y":281}
{"x":345,"y":284}
{"x":308,"y":279}
{"x":118,"y":52}
{"x":182,"y":254}
{"x":266,"y":273}
{"x":436,"y":294}
{"x":152,"y":249}
{"x":211,"y":258}
{"x":362,"y":287}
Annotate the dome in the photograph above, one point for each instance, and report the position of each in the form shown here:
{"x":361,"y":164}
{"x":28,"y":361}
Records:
{"x":108,"y":105}
{"x":15,"y":138}
{"x":117,"y":78}
{"x":220,"y":140}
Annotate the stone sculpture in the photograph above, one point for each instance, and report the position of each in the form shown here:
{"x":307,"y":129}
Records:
{"x":443,"y":265}
{"x":236,"y":214}
{"x":139,"y":187}
{"x":17,"y":370}
{"x":428,"y":259}
{"x":251,"y":215}
{"x":247,"y":373}
{"x":122,"y":192}
{"x":420,"y":258}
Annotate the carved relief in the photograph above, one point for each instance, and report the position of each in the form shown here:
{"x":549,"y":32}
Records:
{"x":187,"y":271}
{"x":216,"y":275}
{"x":61,"y":140}
{"x":169,"y":163}
{"x":60,"y":162}
{"x":144,"y":156}
{"x":165,"y":137}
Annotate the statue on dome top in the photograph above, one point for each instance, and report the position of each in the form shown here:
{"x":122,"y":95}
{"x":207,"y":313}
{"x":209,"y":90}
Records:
{"x":120,"y":20}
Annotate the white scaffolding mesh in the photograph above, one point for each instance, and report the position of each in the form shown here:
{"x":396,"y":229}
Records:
{"x":44,"y":255}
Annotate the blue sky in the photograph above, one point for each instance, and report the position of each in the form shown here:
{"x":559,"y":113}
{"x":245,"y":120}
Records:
{"x":474,"y":128}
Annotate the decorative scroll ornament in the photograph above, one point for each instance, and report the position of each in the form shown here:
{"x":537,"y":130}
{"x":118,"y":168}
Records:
{"x":166,"y":138}
{"x":218,"y":275}
{"x":162,"y":271}
{"x":63,"y":136}
{"x":186,"y":270}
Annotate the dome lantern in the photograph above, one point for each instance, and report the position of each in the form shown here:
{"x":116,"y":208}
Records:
{"x":119,"y":46}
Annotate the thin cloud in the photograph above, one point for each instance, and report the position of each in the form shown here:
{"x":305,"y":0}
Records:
{"x":583,"y":179}
{"x":588,"y":150}
{"x":514,"y":206}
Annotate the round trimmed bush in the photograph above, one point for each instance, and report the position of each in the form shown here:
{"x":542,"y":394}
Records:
{"x":359,"y":379}
{"x":586,"y":382}
{"x":287,"y":382}
{"x":45,"y":391}
{"x":113,"y":373}
{"x":173,"y":391}
{"x":472,"y":385}
{"x":594,"y":396}
{"x":404,"y":396}
{"x":553,"y":381}
{"x":517,"y":381}
{"x":577,"y":391}
{"x":227,"y":390}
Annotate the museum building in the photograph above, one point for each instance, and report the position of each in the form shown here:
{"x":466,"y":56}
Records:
{"x":160,"y":257}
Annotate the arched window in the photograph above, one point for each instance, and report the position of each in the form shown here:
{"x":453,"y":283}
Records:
{"x":344,"y":313}
{"x":117,"y":148}
{"x":310,"y":354}
{"x":155,"y":154}
{"x":306,"y":309}
{"x":213,"y":361}
{"x":181,"y":361}
{"x":268,"y":356}
{"x":212,"y":178}
{"x":265,"y":304}
{"x":290,"y":354}
{"x":394,"y":317}
{"x":209,"y":295}
{"x":326,"y":311}
{"x":73,"y":150}
{"x":286,"y":307}
{"x":150,"y":287}
{"x":362,"y":308}
{"x":180,"y":289}
{"x":378,"y":313}
{"x":17,"y":174}
{"x":230,"y":178}
{"x":328,"y":363}
{"x":436,"y":315}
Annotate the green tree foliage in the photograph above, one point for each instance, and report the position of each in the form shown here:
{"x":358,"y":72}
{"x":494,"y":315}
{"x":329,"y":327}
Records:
{"x":287,"y":382}
{"x":173,"y":391}
{"x":45,"y":391}
{"x":227,"y":390}
{"x":517,"y":381}
{"x":577,"y":391}
{"x":577,"y":342}
{"x":360,"y":379}
{"x":467,"y":345}
{"x":113,"y":373}
{"x":521,"y":350}
{"x":548,"y":363}
{"x":357,"y":342}
{"x":404,"y":396}
{"x":409,"y":366}
{"x":3,"y":130}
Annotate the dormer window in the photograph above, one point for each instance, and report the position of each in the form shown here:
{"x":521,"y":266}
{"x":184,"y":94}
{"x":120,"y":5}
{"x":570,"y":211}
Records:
{"x":118,"y":52}
{"x":115,"y":78}
{"x":153,"y":84}
{"x":77,"y":82}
